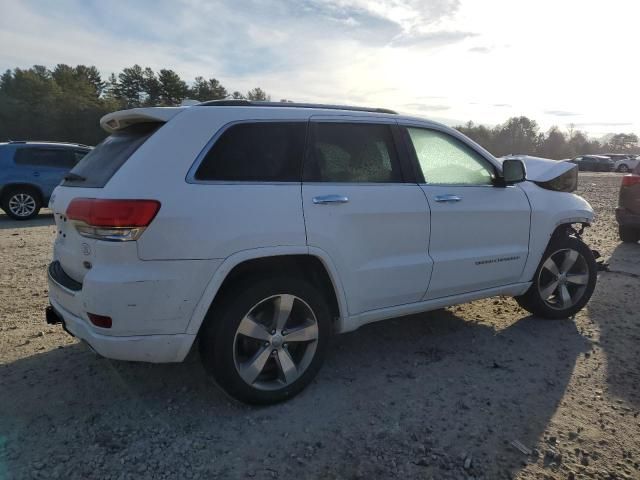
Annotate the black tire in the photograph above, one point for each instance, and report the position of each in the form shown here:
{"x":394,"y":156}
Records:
{"x":623,"y":169}
{"x":533,"y":300}
{"x":220,"y":337}
{"x":629,"y":234}
{"x":21,"y":203}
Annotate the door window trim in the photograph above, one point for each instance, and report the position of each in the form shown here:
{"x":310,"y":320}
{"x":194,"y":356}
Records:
{"x":191,"y":173}
{"x":413,"y":156}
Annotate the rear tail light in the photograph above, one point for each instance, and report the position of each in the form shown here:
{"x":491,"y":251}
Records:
{"x":101,"y":321}
{"x":629,"y":180}
{"x":114,"y":220}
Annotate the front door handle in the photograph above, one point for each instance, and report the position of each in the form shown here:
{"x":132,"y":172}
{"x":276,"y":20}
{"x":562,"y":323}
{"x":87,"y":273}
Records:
{"x":328,"y":199}
{"x":448,"y":198}
{"x":36,"y":174}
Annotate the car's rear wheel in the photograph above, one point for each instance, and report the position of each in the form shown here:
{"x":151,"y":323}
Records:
{"x":629,"y":234}
{"x":266,"y":341}
{"x":623,"y":168}
{"x":564,"y":280}
{"x":21,"y":203}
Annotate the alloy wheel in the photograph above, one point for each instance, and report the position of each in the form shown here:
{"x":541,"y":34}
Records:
{"x":563,"y":279}
{"x":22,"y":204}
{"x":275,"y":342}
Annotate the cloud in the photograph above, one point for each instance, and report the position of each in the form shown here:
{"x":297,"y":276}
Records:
{"x":561,"y":113}
{"x":479,"y":50}
{"x":422,"y":107}
{"x":430,"y":39}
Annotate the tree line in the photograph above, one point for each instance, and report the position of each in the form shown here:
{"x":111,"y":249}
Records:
{"x":522,"y":135}
{"x":65,"y":104}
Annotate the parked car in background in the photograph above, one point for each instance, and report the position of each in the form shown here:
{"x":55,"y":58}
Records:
{"x":29,"y":171}
{"x":260,"y":229}
{"x":594,"y":163}
{"x":624,"y":163}
{"x":628,"y":211}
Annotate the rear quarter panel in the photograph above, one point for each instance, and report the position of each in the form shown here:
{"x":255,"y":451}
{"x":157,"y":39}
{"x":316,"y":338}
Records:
{"x":205,"y":221}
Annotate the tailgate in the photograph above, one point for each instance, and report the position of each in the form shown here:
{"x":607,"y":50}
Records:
{"x":74,"y":252}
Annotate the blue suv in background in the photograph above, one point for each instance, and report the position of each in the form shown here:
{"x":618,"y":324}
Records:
{"x":29,"y":171}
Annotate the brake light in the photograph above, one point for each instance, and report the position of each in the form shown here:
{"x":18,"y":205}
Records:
{"x":115,"y":220}
{"x":629,"y":180}
{"x":101,"y":321}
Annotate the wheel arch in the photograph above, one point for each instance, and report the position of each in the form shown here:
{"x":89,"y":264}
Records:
{"x":313,"y":264}
{"x":7,"y":187}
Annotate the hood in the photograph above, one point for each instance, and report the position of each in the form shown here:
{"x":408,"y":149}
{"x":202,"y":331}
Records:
{"x":542,"y":169}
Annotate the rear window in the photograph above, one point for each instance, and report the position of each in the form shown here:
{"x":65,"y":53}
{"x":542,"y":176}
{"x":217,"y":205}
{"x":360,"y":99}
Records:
{"x":256,"y":152}
{"x":46,"y":157}
{"x":97,"y":167}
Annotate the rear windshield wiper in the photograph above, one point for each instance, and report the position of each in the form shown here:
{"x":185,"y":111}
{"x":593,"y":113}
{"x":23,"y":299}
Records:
{"x":74,"y":177}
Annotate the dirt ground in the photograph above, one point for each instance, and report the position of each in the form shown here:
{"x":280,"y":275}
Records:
{"x":440,"y":395}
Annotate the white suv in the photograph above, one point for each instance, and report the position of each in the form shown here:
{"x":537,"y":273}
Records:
{"x":261,"y":229}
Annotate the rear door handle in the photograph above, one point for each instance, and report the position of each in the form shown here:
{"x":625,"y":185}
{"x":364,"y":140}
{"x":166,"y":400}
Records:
{"x":328,"y":199}
{"x":448,"y":198}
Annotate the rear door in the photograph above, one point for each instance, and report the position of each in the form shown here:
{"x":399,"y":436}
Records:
{"x":364,"y":213}
{"x":45,"y":166}
{"x":479,"y":232}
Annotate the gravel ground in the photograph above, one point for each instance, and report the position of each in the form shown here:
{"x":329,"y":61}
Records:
{"x":437,"y":395}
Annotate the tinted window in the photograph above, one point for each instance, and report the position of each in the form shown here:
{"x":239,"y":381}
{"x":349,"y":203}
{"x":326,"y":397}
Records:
{"x":101,"y":163}
{"x":79,"y":155}
{"x":352,"y":152}
{"x":445,"y":160}
{"x":256,"y":152}
{"x":45,"y":157}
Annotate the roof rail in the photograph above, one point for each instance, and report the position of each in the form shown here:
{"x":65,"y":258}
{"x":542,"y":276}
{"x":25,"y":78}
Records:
{"x":250,"y":103}
{"x":49,"y":141}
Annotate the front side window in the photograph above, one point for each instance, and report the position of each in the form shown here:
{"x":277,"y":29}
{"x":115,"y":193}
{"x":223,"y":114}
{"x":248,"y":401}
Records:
{"x":351,"y":152}
{"x":445,"y":160}
{"x":45,"y":157}
{"x":256,"y":152}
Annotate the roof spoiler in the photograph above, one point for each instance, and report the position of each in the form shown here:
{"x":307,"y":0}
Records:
{"x":115,"y":121}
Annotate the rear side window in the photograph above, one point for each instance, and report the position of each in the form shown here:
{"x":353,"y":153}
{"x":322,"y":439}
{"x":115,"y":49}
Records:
{"x":256,"y":152}
{"x":99,"y":165}
{"x":45,"y":157}
{"x":352,"y":152}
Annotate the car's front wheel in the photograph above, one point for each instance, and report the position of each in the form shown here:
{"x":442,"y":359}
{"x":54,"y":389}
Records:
{"x":265,"y":341}
{"x":564,"y":280}
{"x":21,"y":203}
{"x":623,"y":168}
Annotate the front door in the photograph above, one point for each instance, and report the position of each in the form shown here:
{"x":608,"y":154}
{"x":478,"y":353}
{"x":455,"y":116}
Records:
{"x":479,"y":232}
{"x":360,"y":211}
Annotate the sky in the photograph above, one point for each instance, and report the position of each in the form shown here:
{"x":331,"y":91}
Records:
{"x":560,"y":62}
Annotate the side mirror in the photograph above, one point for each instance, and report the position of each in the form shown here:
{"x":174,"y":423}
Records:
{"x":513,"y":171}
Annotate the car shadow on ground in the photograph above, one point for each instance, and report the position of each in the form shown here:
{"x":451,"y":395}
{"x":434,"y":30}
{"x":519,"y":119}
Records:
{"x":43,"y":219}
{"x":412,"y":396}
{"x":615,"y":307}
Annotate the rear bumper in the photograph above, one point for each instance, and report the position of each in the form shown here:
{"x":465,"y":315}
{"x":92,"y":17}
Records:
{"x":70,"y":306}
{"x":626,"y":218}
{"x":141,"y":348}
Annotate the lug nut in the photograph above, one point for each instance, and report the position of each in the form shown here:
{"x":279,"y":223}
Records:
{"x":284,"y":332}
{"x":266,"y":344}
{"x":274,"y":352}
{"x":273,"y":332}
